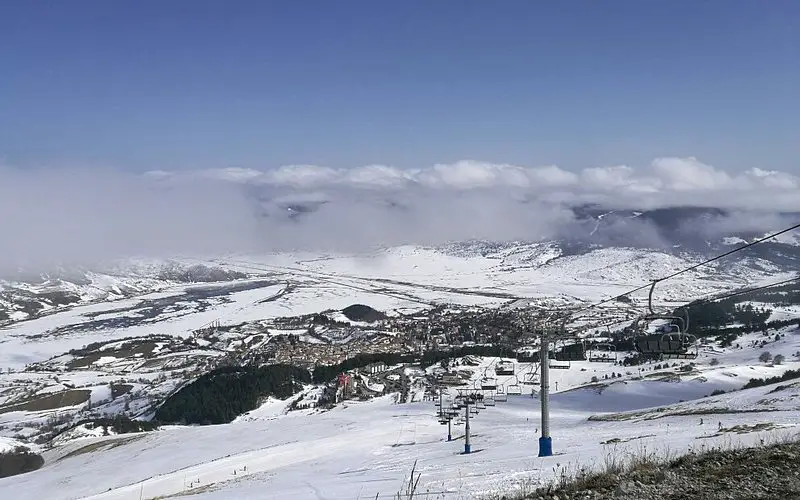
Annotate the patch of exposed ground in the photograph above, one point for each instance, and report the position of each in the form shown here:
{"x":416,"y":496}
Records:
{"x":61,"y":399}
{"x":766,"y":473}
{"x":101,"y":445}
{"x":670,"y":412}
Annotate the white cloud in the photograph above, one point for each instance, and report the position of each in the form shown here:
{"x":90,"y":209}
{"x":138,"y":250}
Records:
{"x":85,"y":215}
{"x":551,"y":175}
{"x":302,"y":175}
{"x":608,"y":178}
{"x":377,"y":175}
{"x":773,"y":179}
{"x":688,"y":174}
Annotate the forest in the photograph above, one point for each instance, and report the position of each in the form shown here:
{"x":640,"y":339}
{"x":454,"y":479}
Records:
{"x":711,"y":317}
{"x":222,"y":394}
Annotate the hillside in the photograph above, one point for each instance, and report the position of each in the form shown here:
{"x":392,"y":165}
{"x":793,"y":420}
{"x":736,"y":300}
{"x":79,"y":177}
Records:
{"x":395,"y":320}
{"x":369,"y":447}
{"x":762,"y":472}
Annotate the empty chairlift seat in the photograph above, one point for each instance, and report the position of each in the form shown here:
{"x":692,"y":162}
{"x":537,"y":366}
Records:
{"x":668,"y":346}
{"x":504,"y":368}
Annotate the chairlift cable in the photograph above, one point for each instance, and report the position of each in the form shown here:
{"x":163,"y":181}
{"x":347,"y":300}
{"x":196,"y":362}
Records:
{"x":686,"y":270}
{"x":705,"y":300}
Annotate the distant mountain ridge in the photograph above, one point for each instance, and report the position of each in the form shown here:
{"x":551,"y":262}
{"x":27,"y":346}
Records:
{"x":28,"y":294}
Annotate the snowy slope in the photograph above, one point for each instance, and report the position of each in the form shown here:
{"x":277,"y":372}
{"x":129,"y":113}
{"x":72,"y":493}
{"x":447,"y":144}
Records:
{"x":400,"y":279}
{"x":368,"y":448}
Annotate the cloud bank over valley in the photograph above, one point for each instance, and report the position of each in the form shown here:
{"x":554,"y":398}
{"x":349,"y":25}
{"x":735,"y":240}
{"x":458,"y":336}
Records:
{"x":56,"y":216}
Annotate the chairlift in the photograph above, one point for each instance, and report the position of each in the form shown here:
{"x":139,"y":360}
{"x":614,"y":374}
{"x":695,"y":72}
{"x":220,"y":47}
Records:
{"x":676,"y":343}
{"x":488,"y":401}
{"x":504,"y":368}
{"x":559,"y":365}
{"x":603,"y":353}
{"x":531,"y":379}
{"x":514,"y":388}
{"x":488,"y":384}
{"x":682,"y":346}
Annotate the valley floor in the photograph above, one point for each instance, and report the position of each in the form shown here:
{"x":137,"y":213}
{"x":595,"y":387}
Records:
{"x":360,"y":450}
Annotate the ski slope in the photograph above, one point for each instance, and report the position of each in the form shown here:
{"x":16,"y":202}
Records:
{"x":368,"y":449}
{"x":364,"y":449}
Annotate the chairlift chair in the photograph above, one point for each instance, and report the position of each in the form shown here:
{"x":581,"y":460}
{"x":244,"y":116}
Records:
{"x":532,"y":379}
{"x":680,"y":346}
{"x":488,"y":384}
{"x":603,"y":353}
{"x":559,"y":365}
{"x":514,"y":388}
{"x":504,"y":368}
{"x":677,"y":343}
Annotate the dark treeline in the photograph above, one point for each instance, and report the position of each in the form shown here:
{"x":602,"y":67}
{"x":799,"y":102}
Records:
{"x":710,"y":318}
{"x":225,"y":393}
{"x":759,"y":382}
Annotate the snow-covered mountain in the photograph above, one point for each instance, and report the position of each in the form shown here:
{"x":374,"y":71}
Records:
{"x":80,"y":347}
{"x":28,"y":294}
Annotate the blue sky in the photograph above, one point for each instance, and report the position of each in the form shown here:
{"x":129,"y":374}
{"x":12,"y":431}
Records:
{"x":200,"y":84}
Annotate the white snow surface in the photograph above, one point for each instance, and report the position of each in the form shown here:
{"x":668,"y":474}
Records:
{"x":364,"y":449}
{"x":360,"y":449}
{"x":8,"y":445}
{"x":403,"y":279}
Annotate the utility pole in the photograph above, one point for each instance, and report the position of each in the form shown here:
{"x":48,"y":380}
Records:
{"x":467,"y":447}
{"x":545,"y":441}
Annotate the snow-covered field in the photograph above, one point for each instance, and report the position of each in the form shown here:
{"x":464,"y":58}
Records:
{"x":402,"y":279}
{"x":364,"y":449}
